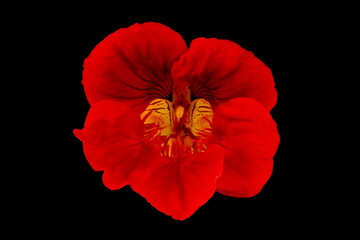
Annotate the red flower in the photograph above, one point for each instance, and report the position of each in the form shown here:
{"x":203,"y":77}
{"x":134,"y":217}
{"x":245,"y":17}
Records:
{"x":178,"y":124}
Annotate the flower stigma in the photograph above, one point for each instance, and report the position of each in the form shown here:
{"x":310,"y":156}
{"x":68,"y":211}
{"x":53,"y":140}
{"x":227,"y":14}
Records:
{"x":179,"y":111}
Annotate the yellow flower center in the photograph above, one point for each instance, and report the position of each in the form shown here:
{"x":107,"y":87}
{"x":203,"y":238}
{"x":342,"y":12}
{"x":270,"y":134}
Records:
{"x":178,"y":129}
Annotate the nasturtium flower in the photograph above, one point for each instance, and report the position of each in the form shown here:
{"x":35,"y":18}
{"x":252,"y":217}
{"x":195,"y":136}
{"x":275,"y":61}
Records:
{"x":178,"y":123}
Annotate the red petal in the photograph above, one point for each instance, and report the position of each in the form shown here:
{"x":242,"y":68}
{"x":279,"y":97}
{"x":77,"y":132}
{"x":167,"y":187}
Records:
{"x":111,"y":141}
{"x":219,"y":70}
{"x":179,"y":187}
{"x":133,"y":64}
{"x":250,"y":139}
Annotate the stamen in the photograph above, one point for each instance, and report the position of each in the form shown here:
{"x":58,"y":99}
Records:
{"x":179,"y":111}
{"x":188,"y":142}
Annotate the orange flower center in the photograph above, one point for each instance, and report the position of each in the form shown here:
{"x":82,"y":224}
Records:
{"x":178,"y":128}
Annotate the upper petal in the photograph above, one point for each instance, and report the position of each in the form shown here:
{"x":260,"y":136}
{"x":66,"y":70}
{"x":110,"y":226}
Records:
{"x":112,"y":141}
{"x":178,"y":187}
{"x":133,"y":64}
{"x":249,"y":138}
{"x":219,"y":70}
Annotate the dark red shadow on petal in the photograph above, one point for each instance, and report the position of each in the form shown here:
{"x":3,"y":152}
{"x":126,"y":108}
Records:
{"x":219,"y":70}
{"x":133,"y":64}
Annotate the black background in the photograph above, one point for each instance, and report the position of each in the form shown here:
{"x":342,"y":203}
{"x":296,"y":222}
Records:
{"x":288,"y":41}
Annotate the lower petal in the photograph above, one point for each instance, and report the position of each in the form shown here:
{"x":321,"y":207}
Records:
{"x":246,"y":168}
{"x":108,"y":145}
{"x":178,"y":187}
{"x":249,"y":139}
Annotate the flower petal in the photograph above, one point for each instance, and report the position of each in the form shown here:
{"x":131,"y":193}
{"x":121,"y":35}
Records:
{"x":133,"y":64}
{"x":250,"y":139}
{"x":179,"y":187}
{"x":219,"y":70}
{"x":111,"y":141}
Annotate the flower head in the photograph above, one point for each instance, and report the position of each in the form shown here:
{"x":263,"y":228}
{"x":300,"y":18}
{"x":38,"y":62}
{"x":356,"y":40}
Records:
{"x":178,"y":124}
